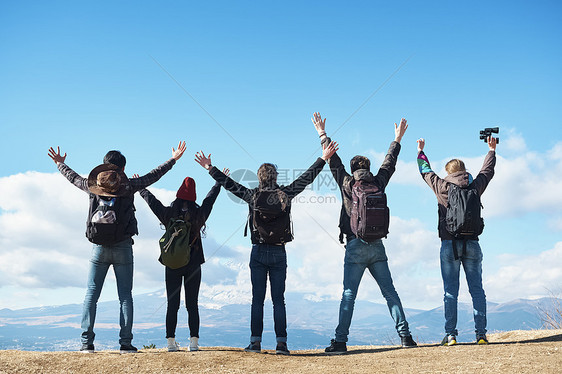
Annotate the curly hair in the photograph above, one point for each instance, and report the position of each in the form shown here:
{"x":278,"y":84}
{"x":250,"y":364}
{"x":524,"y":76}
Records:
{"x":267,"y":174}
{"x":360,"y":162}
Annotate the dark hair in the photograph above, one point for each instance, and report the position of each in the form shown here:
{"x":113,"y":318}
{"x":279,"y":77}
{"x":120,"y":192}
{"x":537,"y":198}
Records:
{"x":360,"y":162}
{"x":267,"y":174}
{"x":115,"y":158}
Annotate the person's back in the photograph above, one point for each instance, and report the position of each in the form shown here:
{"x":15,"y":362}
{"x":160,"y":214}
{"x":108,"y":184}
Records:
{"x":364,"y":253}
{"x":269,"y":222}
{"x":111,"y":224}
{"x":458,"y":249}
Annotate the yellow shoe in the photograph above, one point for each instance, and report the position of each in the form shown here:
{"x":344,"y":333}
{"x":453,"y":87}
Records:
{"x":449,"y":340}
{"x":481,"y":340}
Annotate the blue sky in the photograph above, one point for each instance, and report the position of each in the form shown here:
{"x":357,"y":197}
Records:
{"x":140,"y":76}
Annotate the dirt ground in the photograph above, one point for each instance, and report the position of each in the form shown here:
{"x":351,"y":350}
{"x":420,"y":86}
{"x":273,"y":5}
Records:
{"x":509,"y":352}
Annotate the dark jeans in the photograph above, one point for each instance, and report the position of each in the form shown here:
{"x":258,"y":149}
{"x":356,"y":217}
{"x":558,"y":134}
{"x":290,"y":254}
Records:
{"x":191,"y":276}
{"x":268,"y":259}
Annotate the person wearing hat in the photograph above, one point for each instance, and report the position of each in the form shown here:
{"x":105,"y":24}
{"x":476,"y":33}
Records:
{"x":111,"y":225}
{"x":190,"y":275}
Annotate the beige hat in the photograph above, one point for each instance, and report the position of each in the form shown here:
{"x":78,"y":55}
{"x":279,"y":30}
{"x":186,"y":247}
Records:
{"x":108,"y":180}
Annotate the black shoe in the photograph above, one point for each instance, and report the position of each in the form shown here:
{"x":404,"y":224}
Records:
{"x":336,"y":348}
{"x":128,"y":348}
{"x":282,"y":349}
{"x":408,"y":342}
{"x":253,"y":347}
{"x":87,"y":348}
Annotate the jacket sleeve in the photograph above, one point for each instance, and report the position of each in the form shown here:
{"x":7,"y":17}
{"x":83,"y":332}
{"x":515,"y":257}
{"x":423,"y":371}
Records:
{"x":160,"y":211}
{"x":73,"y":177}
{"x":433,"y":181}
{"x":152,"y":177}
{"x":209,"y":201}
{"x":304,"y":179}
{"x":336,"y":166}
{"x":388,"y":165}
{"x":231,"y":185}
{"x":486,"y":173}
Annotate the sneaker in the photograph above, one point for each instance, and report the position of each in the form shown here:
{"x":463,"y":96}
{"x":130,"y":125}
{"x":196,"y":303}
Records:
{"x":449,"y":340}
{"x":87,"y":348}
{"x":481,"y":340}
{"x":408,"y":342}
{"x":336,"y":348}
{"x":173,"y":346}
{"x":253,"y":347}
{"x":282,"y":349}
{"x":193,"y":344}
{"x":128,"y":348}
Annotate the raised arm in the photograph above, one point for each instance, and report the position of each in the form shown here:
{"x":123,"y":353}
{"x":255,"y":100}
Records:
{"x":71,"y":175}
{"x":228,"y":183}
{"x":487,"y":172}
{"x":160,"y":211}
{"x":389,"y":164}
{"x":157,"y":173}
{"x":336,"y":166}
{"x":428,"y":175}
{"x":308,"y":176}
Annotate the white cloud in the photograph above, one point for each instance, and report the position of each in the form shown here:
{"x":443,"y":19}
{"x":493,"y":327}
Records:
{"x":525,"y":276}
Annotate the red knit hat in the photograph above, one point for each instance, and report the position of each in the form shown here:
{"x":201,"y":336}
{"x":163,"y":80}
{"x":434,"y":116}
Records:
{"x":187,"y":190}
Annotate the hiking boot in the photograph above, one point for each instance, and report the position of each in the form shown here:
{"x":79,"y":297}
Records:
{"x":336,"y":348}
{"x":193,"y":344}
{"x":173,"y":346}
{"x":253,"y":347}
{"x":408,"y":342}
{"x":282,"y":349}
{"x":449,"y":340}
{"x":87,"y":348}
{"x":481,"y":340}
{"x":128,"y":348}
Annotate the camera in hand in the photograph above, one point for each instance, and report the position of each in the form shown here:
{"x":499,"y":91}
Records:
{"x":488,"y":131}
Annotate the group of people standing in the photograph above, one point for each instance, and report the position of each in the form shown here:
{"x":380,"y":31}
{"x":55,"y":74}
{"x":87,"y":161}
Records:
{"x":111,"y":224}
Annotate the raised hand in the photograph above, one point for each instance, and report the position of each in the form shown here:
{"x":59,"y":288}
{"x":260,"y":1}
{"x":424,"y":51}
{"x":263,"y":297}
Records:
{"x":421,"y":144}
{"x":329,"y":150}
{"x":226,"y":171}
{"x":56,"y":156}
{"x":399,"y":130}
{"x":492,"y":142}
{"x":203,"y":160}
{"x":319,"y":123}
{"x":177,"y":153}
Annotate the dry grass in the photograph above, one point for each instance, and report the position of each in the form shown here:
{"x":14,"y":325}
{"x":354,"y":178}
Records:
{"x":509,"y":352}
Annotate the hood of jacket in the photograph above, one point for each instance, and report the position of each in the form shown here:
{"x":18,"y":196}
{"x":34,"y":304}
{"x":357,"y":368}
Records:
{"x":363,"y":175}
{"x":460,"y":178}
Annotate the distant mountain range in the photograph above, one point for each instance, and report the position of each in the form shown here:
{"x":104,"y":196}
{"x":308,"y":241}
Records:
{"x":311,"y":324}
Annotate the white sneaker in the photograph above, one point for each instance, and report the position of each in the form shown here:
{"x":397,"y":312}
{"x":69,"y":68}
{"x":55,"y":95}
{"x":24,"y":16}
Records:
{"x":193,"y":344}
{"x":173,"y":346}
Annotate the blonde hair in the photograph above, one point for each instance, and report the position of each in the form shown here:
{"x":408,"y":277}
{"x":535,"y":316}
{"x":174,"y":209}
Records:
{"x":454,"y":165}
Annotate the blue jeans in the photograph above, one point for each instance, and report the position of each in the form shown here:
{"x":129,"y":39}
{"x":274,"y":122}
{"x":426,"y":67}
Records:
{"x":471,"y":261}
{"x":119,"y":255}
{"x":268,"y":259}
{"x":360,"y":255}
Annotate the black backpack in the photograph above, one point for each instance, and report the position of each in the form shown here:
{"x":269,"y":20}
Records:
{"x":463,"y":219}
{"x":110,"y":219}
{"x":370,"y":216}
{"x":270,"y":213}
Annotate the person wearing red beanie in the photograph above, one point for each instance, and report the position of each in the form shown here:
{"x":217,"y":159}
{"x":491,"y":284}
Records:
{"x":190,"y":274}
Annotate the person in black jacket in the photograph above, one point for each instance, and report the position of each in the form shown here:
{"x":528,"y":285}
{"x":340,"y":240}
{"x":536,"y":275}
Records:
{"x":190,"y":273}
{"x":268,"y":257}
{"x":359,"y":254}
